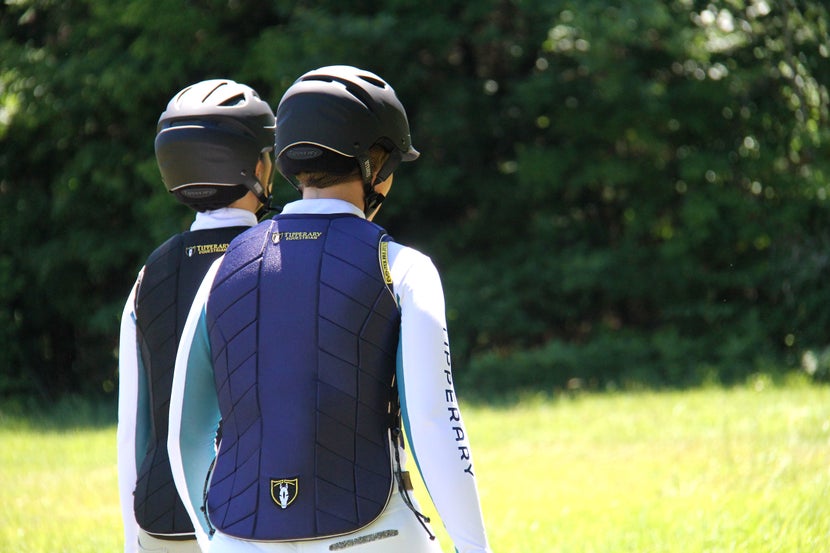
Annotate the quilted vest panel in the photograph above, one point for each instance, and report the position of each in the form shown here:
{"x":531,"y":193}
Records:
{"x":304,"y":334}
{"x":172,"y":275}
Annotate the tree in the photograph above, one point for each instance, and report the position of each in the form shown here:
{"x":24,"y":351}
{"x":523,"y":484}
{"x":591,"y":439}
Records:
{"x":613,"y":193}
{"x":671,"y":173}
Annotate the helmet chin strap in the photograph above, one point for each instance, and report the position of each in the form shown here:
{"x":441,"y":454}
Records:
{"x":372,"y":199}
{"x":265,"y":199}
{"x":267,"y":208}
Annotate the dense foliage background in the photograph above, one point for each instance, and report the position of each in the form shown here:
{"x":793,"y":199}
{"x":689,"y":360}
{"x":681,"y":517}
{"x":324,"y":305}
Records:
{"x":615,"y":193}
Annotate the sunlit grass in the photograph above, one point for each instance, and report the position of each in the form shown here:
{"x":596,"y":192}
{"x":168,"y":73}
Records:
{"x":744,"y":470}
{"x":58,"y":491}
{"x":740,"y":470}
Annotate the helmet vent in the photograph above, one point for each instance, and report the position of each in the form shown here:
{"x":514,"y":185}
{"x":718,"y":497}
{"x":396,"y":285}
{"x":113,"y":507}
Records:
{"x":372,"y":80}
{"x":234,"y":101}
{"x":219,"y":85}
{"x":351,"y":87}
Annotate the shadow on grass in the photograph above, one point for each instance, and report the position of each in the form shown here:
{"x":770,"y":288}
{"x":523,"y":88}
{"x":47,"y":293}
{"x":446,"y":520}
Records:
{"x":68,"y":413}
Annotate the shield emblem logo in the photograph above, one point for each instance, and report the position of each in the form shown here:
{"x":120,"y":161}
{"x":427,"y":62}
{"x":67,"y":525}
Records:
{"x":284,"y":491}
{"x":190,"y":250}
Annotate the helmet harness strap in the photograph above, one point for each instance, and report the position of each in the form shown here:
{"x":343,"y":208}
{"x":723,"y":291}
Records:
{"x":266,"y":200}
{"x":372,"y":199}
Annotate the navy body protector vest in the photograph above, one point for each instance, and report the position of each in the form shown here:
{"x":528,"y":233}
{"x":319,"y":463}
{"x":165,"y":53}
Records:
{"x":172,"y":275}
{"x":304,"y":333}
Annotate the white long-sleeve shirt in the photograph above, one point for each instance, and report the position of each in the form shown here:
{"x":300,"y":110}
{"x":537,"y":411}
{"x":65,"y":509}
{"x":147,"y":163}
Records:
{"x":430,"y":411}
{"x":134,"y":415}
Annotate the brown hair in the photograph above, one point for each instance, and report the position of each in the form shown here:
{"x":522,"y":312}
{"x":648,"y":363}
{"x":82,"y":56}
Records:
{"x":321,"y":179}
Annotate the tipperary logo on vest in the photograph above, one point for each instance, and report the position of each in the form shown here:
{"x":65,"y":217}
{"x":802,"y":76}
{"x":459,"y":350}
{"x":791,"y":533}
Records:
{"x":278,"y":237}
{"x":202,"y":249}
{"x":384,"y":262}
{"x":284,"y":491}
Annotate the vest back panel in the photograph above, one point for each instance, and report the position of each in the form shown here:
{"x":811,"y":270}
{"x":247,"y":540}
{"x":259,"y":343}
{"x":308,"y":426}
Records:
{"x":304,"y":334}
{"x":172,"y":275}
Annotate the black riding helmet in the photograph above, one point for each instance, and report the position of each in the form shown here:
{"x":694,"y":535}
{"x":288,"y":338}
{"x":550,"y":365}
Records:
{"x":330,"y":118}
{"x":209,"y":140}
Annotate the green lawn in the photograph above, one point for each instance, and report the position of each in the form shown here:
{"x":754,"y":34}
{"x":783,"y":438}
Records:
{"x":714,"y":470}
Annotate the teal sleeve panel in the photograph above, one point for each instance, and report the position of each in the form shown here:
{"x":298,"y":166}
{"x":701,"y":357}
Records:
{"x":143,"y":418}
{"x":199,"y":419}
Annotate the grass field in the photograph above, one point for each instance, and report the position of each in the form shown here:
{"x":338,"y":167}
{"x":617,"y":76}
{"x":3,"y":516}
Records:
{"x":712,"y":470}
